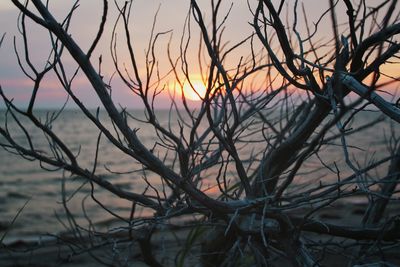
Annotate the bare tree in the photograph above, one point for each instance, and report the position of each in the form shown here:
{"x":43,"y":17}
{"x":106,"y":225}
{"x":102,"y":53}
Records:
{"x":252,"y":161}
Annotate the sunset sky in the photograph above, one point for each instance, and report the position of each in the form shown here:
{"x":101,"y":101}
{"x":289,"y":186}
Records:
{"x":172,"y":14}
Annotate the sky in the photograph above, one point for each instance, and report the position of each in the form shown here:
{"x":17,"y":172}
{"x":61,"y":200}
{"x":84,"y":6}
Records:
{"x":171,"y":16}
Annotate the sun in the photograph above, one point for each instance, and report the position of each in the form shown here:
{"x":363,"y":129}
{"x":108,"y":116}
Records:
{"x":195,"y":90}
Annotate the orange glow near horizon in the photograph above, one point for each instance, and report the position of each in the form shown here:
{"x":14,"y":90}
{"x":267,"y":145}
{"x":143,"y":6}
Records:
{"x":195,"y":90}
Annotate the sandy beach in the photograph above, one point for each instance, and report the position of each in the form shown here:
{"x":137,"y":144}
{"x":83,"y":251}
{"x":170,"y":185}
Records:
{"x":117,"y":249}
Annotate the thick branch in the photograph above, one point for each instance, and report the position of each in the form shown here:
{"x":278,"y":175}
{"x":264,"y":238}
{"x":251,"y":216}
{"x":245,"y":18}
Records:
{"x":376,"y":38}
{"x":386,"y":107}
{"x":389,"y":232}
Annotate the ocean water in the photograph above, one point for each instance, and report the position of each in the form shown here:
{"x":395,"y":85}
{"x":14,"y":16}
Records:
{"x":26,"y":181}
{"x":23,"y":180}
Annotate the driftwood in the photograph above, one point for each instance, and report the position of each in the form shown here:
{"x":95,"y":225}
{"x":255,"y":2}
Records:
{"x":239,"y":162}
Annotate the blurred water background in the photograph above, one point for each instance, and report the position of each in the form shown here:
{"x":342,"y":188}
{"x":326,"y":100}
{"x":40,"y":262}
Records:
{"x":24,"y":181}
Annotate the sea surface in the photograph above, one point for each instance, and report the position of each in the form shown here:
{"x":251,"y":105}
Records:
{"x":41,"y":188}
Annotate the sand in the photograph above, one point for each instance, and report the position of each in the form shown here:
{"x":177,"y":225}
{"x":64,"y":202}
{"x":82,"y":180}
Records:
{"x":167,"y":243}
